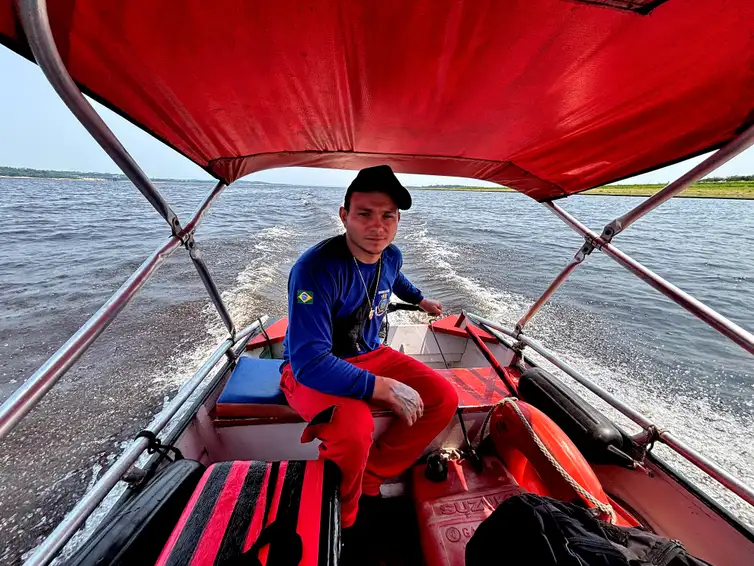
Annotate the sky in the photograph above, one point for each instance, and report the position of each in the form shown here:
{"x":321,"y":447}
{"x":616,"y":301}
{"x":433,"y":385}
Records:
{"x":38,"y":131}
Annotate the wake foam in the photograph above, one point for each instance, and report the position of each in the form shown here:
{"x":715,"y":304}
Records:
{"x":720,"y":435}
{"x":256,"y":292}
{"x":437,"y":257}
{"x":253,"y":293}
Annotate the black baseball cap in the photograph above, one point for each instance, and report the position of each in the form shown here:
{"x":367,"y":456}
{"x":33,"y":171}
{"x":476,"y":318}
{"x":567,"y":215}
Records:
{"x":380,"y":179}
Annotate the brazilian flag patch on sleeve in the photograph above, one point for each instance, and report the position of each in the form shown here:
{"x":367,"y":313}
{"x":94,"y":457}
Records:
{"x":304,"y":297}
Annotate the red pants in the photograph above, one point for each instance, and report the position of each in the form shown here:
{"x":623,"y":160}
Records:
{"x":347,"y":437}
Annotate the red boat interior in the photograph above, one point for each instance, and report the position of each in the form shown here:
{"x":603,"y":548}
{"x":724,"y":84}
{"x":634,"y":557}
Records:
{"x":234,"y":501}
{"x":287,"y":512}
{"x":548,"y":97}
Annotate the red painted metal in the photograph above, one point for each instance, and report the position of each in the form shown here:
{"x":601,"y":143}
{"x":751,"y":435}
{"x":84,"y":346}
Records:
{"x":623,"y":516}
{"x":506,"y":374}
{"x":275,"y":333}
{"x":454,"y":325}
{"x":450,"y":511}
{"x":476,"y":387}
{"x":514,"y":445}
{"x":546,"y":96}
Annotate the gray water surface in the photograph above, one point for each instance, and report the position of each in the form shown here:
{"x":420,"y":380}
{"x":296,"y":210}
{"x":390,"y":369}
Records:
{"x":67,"y":245}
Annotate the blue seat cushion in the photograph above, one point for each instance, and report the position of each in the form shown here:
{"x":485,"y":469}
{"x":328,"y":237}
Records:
{"x":254,"y":381}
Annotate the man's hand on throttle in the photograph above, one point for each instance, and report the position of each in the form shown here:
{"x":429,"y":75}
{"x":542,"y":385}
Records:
{"x":430,"y":306}
{"x":401,"y":399}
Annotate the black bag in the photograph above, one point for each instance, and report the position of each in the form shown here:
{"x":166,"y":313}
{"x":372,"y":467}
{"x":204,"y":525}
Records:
{"x":530,"y":529}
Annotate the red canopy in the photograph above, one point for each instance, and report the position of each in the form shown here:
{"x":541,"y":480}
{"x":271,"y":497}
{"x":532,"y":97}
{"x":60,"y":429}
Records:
{"x":550,"y":97}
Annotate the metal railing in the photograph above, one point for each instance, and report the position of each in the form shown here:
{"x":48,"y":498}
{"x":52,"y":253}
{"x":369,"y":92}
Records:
{"x":580,"y":256}
{"x":86,"y":506}
{"x":36,"y":25}
{"x":726,"y":327}
{"x":35,"y":22}
{"x":730,"y":150}
{"x":712,"y":469}
{"x":26,"y":397}
{"x":23,"y":400}
{"x":733,"y":148}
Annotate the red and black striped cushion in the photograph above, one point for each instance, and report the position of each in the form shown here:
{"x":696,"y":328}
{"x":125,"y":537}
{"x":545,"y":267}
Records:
{"x":234,"y":500}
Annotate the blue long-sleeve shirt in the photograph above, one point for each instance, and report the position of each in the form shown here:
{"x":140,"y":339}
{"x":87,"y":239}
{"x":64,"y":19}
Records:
{"x":324,"y":287}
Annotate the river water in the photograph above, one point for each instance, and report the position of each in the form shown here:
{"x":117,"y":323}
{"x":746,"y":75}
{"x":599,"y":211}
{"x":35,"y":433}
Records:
{"x":67,"y":245}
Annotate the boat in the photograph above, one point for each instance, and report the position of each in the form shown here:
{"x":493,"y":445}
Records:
{"x":548,"y":97}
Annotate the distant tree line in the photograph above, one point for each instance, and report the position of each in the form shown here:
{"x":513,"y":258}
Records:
{"x":52,"y":174}
{"x":439,"y":186}
{"x":730,"y":179}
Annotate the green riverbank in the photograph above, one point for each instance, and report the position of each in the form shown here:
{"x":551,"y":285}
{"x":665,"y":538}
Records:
{"x":740,"y":187}
{"x":723,"y":189}
{"x":728,"y":189}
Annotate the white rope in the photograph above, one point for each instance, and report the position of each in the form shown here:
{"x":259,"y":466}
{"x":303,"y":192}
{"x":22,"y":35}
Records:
{"x":605,"y":508}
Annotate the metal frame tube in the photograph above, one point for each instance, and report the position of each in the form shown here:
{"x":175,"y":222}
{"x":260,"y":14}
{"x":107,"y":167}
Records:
{"x":196,"y":259}
{"x":714,"y":319}
{"x":603,"y":394}
{"x":726,"y":327}
{"x":242,"y":334}
{"x":709,"y":467}
{"x":23,"y":400}
{"x":721,"y":156}
{"x":559,"y":280}
{"x":713,"y":470}
{"x":36,"y":25}
{"x":46,"y":551}
{"x":239,"y":346}
{"x":209,"y":284}
{"x":28,"y":395}
{"x":575,"y":224}
{"x":204,"y":206}
{"x":68,"y":527}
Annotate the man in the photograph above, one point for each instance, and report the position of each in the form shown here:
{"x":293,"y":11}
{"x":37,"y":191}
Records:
{"x":336,"y":369}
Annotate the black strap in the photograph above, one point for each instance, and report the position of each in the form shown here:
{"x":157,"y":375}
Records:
{"x":155,"y":445}
{"x":471,"y":453}
{"x":266,"y":336}
{"x":348,"y":331}
{"x":289,"y":549}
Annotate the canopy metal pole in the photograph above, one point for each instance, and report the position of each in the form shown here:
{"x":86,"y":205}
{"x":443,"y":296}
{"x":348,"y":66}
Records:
{"x":200,"y":212}
{"x":201,"y":267}
{"x":717,"y":321}
{"x":713,"y":470}
{"x":28,"y":395}
{"x":68,"y":527}
{"x":209,"y":284}
{"x":36,"y":25}
{"x":580,"y":256}
{"x":721,"y":156}
{"x":575,"y":224}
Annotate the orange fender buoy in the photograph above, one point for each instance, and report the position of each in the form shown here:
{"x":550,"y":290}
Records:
{"x":529,"y":466}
